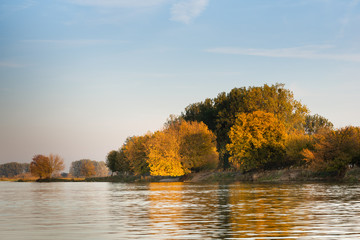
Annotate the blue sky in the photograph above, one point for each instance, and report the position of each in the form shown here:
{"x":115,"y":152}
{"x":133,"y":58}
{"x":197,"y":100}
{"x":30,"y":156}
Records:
{"x":79,"y":76}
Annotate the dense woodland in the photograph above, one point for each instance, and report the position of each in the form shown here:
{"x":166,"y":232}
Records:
{"x":247,"y":129}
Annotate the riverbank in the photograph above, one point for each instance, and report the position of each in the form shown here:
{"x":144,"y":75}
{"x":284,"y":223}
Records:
{"x":282,"y":175}
{"x":275,"y":176}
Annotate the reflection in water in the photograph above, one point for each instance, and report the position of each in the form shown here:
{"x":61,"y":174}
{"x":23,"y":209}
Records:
{"x":266,"y":211}
{"x":178,"y":211}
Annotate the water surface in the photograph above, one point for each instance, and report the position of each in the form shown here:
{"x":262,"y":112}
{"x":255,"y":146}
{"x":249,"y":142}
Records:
{"x":178,"y":211}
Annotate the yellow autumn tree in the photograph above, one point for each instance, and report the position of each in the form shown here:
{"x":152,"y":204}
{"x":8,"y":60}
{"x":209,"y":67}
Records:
{"x":197,"y":146}
{"x":182,"y":147}
{"x":163,"y":154}
{"x":257,"y":141}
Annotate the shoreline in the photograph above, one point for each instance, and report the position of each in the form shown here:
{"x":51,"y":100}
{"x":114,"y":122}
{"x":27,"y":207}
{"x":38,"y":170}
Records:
{"x":270,"y":176}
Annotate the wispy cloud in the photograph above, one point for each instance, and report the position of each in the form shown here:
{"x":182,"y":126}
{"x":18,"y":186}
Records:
{"x":71,"y":42}
{"x":305,"y":52}
{"x":186,"y":10}
{"x":119,"y":3}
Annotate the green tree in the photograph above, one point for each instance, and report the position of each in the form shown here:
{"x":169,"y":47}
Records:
{"x":257,"y":141}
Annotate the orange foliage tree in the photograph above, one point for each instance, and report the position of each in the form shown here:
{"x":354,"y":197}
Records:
{"x":46,"y":166}
{"x":334,"y":150}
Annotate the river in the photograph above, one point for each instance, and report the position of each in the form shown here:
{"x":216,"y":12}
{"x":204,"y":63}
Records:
{"x":100,"y":211}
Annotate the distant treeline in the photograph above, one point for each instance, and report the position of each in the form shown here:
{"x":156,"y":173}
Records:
{"x":13,"y":169}
{"x":51,"y":166}
{"x":247,"y":129}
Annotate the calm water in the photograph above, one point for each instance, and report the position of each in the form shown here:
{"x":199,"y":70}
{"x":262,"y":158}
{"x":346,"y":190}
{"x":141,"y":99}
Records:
{"x":178,"y":211}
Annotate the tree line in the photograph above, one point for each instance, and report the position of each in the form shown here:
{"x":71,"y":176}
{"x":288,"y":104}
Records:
{"x":179,"y":148}
{"x":13,"y":169}
{"x":247,"y":129}
{"x":51,"y":166}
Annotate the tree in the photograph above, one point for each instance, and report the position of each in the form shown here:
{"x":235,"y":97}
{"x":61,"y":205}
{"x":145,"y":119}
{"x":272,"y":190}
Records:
{"x":163,"y":155}
{"x":46,"y":166}
{"x":56,"y":164}
{"x":116,"y":161}
{"x":88,"y":168}
{"x":197,"y":146}
{"x":334,"y":150}
{"x":220,"y":113}
{"x":101,"y":170}
{"x":13,"y":169}
{"x":182,"y":147}
{"x":315,"y":123}
{"x":295,"y":144}
{"x":111,"y":161}
{"x":257,"y":141}
{"x":135,"y":151}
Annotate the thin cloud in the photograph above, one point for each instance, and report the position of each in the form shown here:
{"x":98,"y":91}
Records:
{"x":185,"y":11}
{"x":119,"y":3}
{"x":71,"y":42}
{"x":306,"y":52}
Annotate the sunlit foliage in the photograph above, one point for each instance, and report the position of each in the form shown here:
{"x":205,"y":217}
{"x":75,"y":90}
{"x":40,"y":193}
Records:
{"x":164,"y":155}
{"x":182,"y":147}
{"x":257,"y":141}
{"x":334,"y":150}
{"x":46,"y":166}
{"x":220,"y":113}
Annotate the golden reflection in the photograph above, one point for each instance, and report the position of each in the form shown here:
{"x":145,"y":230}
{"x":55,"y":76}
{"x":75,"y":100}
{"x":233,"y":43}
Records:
{"x":179,"y":209}
{"x":165,"y":207}
{"x":263,"y":211}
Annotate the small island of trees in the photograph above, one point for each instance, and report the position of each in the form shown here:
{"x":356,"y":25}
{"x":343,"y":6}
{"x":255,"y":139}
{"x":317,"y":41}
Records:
{"x":247,"y":130}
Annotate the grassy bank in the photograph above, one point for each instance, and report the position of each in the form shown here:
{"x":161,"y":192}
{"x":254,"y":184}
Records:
{"x":283,"y":175}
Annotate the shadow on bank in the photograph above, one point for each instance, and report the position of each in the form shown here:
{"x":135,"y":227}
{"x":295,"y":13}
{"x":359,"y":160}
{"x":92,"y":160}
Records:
{"x":275,"y":176}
